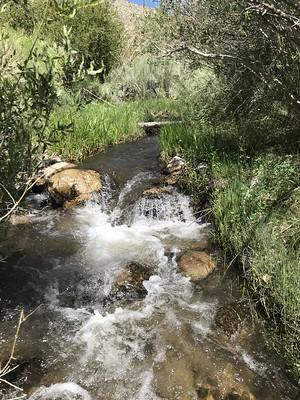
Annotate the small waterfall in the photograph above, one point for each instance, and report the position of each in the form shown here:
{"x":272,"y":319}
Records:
{"x":168,"y":207}
{"x":97,"y":345}
{"x":129,"y":193}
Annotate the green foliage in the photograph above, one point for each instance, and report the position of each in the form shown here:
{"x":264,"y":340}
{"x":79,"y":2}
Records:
{"x":142,"y":78}
{"x":27,"y":97}
{"x":254,"y":53}
{"x":94,"y":30}
{"x":155,"y":30}
{"x":243,"y":118}
{"x":248,"y":201}
{"x":96,"y":126}
{"x":257,"y":213}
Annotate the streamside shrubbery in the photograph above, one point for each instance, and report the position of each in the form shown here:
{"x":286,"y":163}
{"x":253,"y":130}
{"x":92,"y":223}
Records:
{"x":39,"y":68}
{"x":33,"y":73}
{"x":244,"y":120}
{"x":142,"y":78}
{"x":253,"y":49}
{"x":95,"y":32}
{"x":27,"y":97}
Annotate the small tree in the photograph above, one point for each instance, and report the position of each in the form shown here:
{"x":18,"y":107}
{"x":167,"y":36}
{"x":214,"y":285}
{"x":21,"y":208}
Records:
{"x":253,"y":48}
{"x":95,"y":33}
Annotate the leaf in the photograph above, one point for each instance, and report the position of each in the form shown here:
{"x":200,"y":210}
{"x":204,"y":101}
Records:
{"x":3,"y":8}
{"x":266,"y":278}
{"x":73,"y":13}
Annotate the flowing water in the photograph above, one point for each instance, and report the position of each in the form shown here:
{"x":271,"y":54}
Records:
{"x":171,"y":339}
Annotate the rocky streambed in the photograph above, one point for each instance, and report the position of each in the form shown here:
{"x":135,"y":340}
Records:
{"x":132,"y":299}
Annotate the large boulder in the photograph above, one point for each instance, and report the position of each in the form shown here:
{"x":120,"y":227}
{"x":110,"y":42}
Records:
{"x":72,"y":187}
{"x":45,"y":174}
{"x":196,"y":265}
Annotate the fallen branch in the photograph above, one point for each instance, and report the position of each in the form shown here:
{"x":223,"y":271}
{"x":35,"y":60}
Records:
{"x":7,"y":367}
{"x":4,"y":371}
{"x":156,"y":124}
{"x":244,"y":63}
{"x":29,"y":186}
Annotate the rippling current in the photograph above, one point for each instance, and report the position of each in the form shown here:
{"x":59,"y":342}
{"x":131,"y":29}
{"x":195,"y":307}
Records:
{"x":85,"y":343}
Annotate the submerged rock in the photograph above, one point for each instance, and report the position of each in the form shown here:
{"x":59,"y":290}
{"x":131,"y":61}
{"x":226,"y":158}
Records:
{"x":131,"y":277}
{"x":174,"y":378}
{"x":232,"y":388}
{"x":207,"y":392}
{"x":156,"y":192}
{"x":231,"y":317}
{"x":72,"y":187}
{"x":196,"y":265}
{"x":244,"y":395}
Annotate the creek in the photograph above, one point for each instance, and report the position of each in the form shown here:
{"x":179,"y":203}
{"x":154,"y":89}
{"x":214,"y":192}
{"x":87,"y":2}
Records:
{"x":170,"y":339}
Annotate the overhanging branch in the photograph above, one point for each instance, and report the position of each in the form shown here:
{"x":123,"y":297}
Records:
{"x":230,"y":57}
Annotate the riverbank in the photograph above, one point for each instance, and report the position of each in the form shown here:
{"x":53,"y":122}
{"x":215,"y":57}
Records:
{"x":95,"y":126}
{"x":115,"y":314}
{"x":254,"y":203}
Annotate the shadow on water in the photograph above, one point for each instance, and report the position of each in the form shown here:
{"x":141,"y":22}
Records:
{"x":94,"y":337}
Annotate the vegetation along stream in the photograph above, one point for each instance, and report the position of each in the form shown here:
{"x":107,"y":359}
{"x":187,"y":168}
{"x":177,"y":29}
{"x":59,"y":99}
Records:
{"x":149,"y":200}
{"x":116,"y":319}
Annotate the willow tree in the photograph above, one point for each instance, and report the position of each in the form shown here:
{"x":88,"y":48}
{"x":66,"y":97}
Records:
{"x":253,"y":47}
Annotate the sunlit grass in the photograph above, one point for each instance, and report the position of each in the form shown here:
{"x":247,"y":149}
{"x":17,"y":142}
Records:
{"x":98,"y":125}
{"x":256,"y":208}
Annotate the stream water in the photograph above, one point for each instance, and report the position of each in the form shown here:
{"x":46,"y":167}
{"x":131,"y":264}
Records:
{"x":171,"y":340}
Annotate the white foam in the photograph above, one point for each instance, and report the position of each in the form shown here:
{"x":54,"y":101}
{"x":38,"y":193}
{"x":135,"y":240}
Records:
{"x":61,"y":391}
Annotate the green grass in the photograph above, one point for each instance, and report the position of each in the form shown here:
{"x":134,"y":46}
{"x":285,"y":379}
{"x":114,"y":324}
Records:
{"x":256,"y":208}
{"x":257,"y":215}
{"x":97,"y":125}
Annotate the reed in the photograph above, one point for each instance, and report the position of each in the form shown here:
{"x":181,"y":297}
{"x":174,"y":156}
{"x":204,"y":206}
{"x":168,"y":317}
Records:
{"x":96,"y":126}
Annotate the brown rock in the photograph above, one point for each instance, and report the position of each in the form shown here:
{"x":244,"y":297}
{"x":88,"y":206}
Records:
{"x":196,"y":265}
{"x":19,"y":219}
{"x":53,"y":169}
{"x":233,"y":389}
{"x":132,"y":276}
{"x":174,"y":378}
{"x":73,"y":186}
{"x":176,"y":166}
{"x":207,"y":392}
{"x":171,"y":180}
{"x":239,"y":395}
{"x":156,"y":192}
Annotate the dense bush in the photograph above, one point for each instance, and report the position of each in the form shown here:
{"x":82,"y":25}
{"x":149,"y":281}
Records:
{"x":253,"y":49}
{"x":142,"y":78}
{"x":27,"y":97}
{"x":94,"y":30}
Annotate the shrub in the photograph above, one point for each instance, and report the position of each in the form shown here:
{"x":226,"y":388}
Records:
{"x":142,"y":78}
{"x":95,"y":30}
{"x":27,"y":97}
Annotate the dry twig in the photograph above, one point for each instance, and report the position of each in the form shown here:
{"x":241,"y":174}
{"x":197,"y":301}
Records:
{"x":7,"y":368}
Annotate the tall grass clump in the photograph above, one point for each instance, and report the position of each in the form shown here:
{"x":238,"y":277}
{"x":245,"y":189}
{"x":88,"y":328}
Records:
{"x":95,"y":126}
{"x":257,"y":215}
{"x":254,"y":199}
